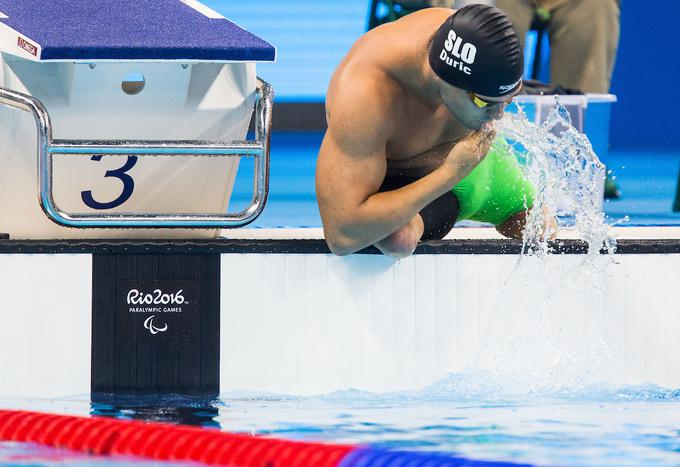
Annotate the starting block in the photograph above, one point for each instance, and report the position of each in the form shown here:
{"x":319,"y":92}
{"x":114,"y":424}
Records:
{"x":141,"y":109}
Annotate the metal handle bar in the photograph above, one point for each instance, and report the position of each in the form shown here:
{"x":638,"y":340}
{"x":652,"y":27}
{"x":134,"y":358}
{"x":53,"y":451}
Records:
{"x":47,"y":147}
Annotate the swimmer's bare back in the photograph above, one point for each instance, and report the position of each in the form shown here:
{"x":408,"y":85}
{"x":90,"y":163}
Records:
{"x":384,"y":113}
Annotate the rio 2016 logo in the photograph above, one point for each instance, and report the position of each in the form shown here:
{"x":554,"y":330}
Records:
{"x":155,"y":302}
{"x":157,"y":297}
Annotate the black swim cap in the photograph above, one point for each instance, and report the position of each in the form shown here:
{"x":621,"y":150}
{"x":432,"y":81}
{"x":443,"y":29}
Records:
{"x":478,"y":50}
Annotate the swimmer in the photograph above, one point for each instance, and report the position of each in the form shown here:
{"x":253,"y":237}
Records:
{"x":408,"y":150}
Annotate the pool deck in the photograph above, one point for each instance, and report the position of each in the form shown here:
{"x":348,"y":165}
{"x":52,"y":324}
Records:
{"x":459,"y":233}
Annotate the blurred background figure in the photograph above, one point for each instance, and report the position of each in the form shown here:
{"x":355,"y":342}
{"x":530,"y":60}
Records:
{"x":583,"y":36}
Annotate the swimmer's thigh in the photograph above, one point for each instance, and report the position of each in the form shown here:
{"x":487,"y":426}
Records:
{"x":438,"y":217}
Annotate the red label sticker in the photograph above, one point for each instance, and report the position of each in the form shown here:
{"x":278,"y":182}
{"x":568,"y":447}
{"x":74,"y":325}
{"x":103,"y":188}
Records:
{"x":27,"y":46}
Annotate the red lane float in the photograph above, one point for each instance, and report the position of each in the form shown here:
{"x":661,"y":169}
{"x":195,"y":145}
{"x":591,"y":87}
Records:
{"x":165,"y":442}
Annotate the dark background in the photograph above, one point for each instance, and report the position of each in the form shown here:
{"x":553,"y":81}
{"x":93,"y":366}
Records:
{"x":647,"y":76}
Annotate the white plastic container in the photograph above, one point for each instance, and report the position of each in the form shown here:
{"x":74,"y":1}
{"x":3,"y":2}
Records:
{"x":590,"y":114}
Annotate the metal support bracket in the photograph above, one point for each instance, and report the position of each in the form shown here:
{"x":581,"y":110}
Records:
{"x":47,"y":147}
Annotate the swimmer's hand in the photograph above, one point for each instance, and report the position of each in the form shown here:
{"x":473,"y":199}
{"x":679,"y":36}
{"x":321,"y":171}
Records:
{"x":550,"y":227}
{"x":469,"y":152}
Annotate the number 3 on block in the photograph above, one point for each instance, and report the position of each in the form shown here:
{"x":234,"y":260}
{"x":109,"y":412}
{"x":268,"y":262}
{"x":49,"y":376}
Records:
{"x":120,"y":174}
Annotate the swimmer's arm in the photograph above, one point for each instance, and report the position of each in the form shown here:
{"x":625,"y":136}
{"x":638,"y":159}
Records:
{"x":351,"y":167}
{"x":354,"y":216}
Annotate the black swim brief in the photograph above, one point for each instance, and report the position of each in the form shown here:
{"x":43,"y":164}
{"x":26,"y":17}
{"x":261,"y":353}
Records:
{"x":438,"y":217}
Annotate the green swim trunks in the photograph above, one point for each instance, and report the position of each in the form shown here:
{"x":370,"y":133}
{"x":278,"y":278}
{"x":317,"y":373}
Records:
{"x":496,"y":189}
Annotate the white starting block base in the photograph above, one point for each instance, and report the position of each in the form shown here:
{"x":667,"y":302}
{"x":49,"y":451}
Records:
{"x":179,"y":102}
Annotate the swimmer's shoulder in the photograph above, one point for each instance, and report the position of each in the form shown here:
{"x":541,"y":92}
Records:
{"x":374,"y":61}
{"x":377,"y":46}
{"x":364,"y":95}
{"x":357,"y":84}
{"x":392,"y":47}
{"x":362,"y":107}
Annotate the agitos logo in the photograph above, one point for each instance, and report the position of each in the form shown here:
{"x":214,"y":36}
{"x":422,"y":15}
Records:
{"x":153,"y":329}
{"x":463,"y":53}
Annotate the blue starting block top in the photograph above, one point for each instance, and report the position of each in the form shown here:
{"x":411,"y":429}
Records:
{"x":148,"y":30}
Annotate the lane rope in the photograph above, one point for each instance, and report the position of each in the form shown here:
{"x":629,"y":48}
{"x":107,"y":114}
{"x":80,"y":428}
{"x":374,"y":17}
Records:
{"x":166,"y":442}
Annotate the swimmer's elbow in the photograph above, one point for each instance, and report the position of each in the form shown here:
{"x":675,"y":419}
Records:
{"x":340,"y":244}
{"x":340,"y":248}
{"x":341,"y":251}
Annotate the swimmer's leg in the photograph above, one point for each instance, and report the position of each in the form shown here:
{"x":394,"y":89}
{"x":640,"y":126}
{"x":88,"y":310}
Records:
{"x":432,"y":223}
{"x":440,"y":216}
{"x":403,"y":242}
{"x":497,"y":192}
{"x":513,"y":226}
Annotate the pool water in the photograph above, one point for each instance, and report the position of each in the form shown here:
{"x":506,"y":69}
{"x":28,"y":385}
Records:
{"x":465,"y":415}
{"x":16,"y":454}
{"x":647,"y":180}
{"x":541,"y":431}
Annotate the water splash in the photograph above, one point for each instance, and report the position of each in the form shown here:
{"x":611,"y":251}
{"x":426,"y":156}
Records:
{"x":567,"y":175}
{"x":553,"y":330}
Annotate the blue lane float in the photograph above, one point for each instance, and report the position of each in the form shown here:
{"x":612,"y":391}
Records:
{"x":375,"y":457}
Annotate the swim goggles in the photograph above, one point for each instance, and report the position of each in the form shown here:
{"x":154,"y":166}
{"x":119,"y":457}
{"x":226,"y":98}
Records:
{"x":482,"y":104}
